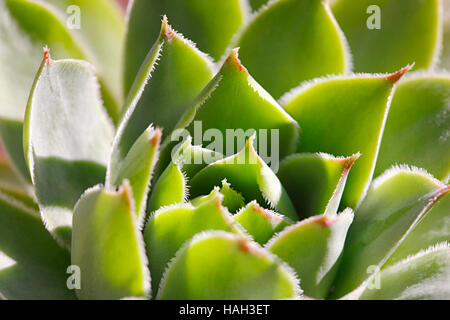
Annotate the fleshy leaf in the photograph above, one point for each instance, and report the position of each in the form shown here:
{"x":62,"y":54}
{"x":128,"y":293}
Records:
{"x":418,"y":124}
{"x":433,"y":228}
{"x":290,"y":41}
{"x":396,"y":202}
{"x":32,"y":265}
{"x":176,"y":72}
{"x":221,"y":266}
{"x":108,"y":247}
{"x":408,"y":32}
{"x":250,"y":176}
{"x":211,"y":24}
{"x":169,"y":228}
{"x":244,"y":106}
{"x":172,"y":185}
{"x":22,"y":37}
{"x":313,"y":247}
{"x":315,"y":182}
{"x":353,"y":109}
{"x":256,"y":4}
{"x":67,"y":138}
{"x":424,"y":276}
{"x":105,"y":54}
{"x":233,"y":200}
{"x":445,"y":54}
{"x":137,"y":167}
{"x":260,"y":223}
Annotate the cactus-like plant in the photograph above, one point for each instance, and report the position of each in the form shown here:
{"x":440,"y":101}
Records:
{"x":97,"y":202}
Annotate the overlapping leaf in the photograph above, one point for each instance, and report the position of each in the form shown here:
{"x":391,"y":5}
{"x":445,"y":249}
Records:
{"x":290,"y":41}
{"x":211,"y":24}
{"x":240,"y":268}
{"x":67,"y":138}
{"x":418,"y":124}
{"x":394,"y":205}
{"x":32,"y":265}
{"x":361,"y":103}
{"x":315,"y":182}
{"x":313,"y":247}
{"x":249,"y":175}
{"x":408,"y":31}
{"x":108,"y":247}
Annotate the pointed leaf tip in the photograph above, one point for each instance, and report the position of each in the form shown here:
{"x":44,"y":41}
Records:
{"x":396,"y":76}
{"x":155,"y":139}
{"x":47,"y":57}
{"x":233,"y":59}
{"x":166,"y":29}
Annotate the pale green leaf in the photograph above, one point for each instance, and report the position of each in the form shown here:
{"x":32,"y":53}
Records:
{"x":342,"y":116}
{"x":260,"y":223}
{"x":396,"y":202}
{"x":290,"y":41}
{"x":425,"y":276}
{"x":67,"y":139}
{"x":250,"y":176}
{"x":170,"y":227}
{"x":221,"y":266}
{"x":417,"y":129}
{"x":32,"y":265}
{"x":313,"y":247}
{"x":210,"y":23}
{"x":409,"y":31}
{"x":315,"y":182}
{"x":108,"y":247}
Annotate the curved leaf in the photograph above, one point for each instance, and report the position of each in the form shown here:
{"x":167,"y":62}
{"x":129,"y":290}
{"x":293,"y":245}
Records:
{"x":396,"y":202}
{"x":137,"y":167}
{"x":260,"y":223}
{"x":32,"y":265}
{"x":409,"y":32}
{"x":209,"y":23}
{"x":176,"y":72}
{"x":315,"y":182}
{"x":221,"y":266}
{"x":169,"y":228}
{"x":290,"y":41}
{"x":108,"y":247}
{"x":244,"y":106}
{"x":424,"y":276}
{"x":445,"y":54}
{"x":67,"y":138}
{"x":249,"y":175}
{"x":22,"y":37}
{"x":354,"y":110}
{"x":313,"y":247}
{"x":418,"y":124}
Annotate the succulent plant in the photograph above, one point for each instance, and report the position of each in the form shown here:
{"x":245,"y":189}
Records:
{"x":118,"y":178}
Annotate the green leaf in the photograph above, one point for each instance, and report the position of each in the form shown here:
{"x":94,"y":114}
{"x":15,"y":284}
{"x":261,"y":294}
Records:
{"x":244,"y":107}
{"x":108,"y":247}
{"x":32,"y":265}
{"x":424,"y":276}
{"x":221,"y":266}
{"x":24,"y":29}
{"x":417,"y":127}
{"x":137,"y":167}
{"x":176,"y":72}
{"x":433,"y":228}
{"x":233,"y":200}
{"x":169,"y":228}
{"x":249,"y":175}
{"x":290,"y":41}
{"x":67,"y":139}
{"x":256,"y":4}
{"x":171,"y":187}
{"x":409,"y":32}
{"x":315,"y":182}
{"x":211,"y":24}
{"x":313,"y":247}
{"x":445,"y":54}
{"x":396,"y":202}
{"x":105,"y":54}
{"x":354,"y":110}
{"x":261,"y":223}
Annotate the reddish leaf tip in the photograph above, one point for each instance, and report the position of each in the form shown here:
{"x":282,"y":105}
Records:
{"x":233,"y":59}
{"x":325,"y":221}
{"x":244,"y":245}
{"x":166,"y":29}
{"x":155,"y":139}
{"x":396,"y":76}
{"x":126,"y":191}
{"x":47,"y":57}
